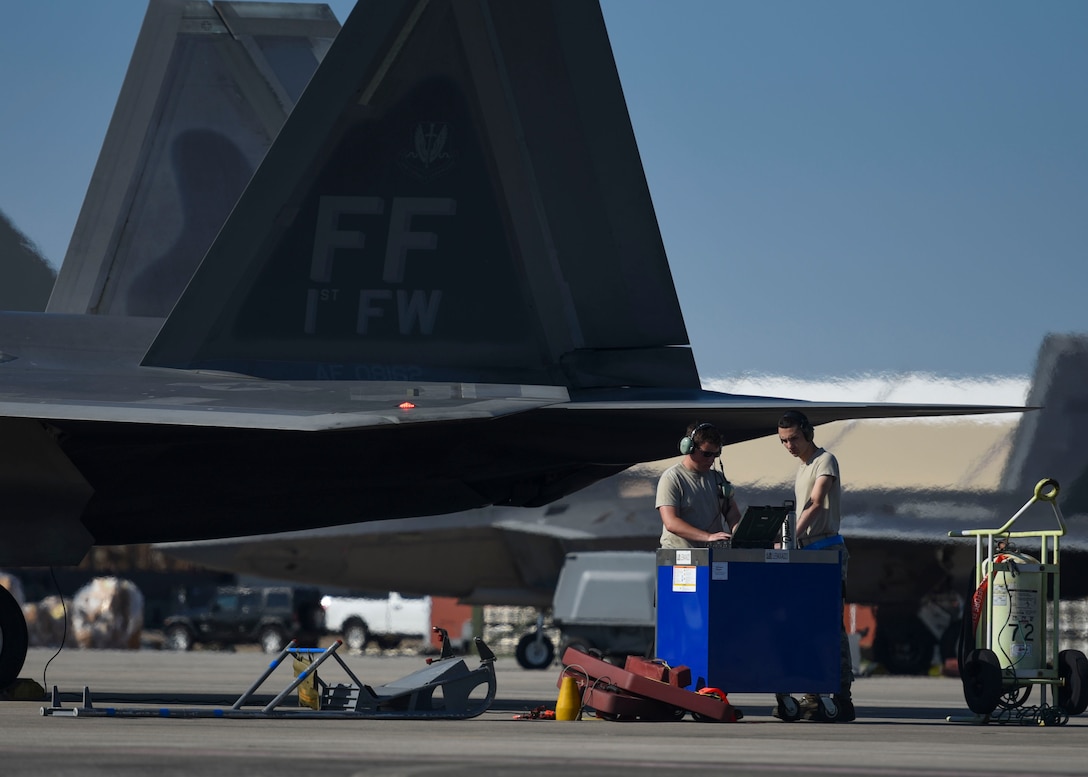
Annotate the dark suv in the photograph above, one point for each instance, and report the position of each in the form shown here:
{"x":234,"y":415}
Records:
{"x":268,"y":616}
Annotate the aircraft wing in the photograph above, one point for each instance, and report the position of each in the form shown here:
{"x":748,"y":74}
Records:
{"x":87,"y":374}
{"x":506,"y":556}
{"x":494,"y":555}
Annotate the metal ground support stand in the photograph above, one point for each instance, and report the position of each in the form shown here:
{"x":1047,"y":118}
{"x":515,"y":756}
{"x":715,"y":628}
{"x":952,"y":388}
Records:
{"x":411,"y":697}
{"x":1011,"y":642}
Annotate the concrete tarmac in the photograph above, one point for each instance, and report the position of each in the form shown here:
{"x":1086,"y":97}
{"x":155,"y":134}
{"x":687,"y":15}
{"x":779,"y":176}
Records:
{"x":901,"y":730}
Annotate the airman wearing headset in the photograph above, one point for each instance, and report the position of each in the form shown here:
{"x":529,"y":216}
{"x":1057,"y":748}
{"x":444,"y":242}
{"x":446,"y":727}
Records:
{"x":696,"y":501}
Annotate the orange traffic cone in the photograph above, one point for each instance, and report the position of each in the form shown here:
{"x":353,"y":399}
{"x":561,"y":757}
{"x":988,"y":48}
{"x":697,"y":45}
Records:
{"x":569,"y":704}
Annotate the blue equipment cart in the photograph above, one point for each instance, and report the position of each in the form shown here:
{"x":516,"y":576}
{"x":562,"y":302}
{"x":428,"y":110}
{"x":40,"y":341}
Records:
{"x":752,"y":621}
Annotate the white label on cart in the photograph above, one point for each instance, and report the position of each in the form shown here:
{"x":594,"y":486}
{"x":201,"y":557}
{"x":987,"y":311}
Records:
{"x":1026,"y":603}
{"x":777,"y":556}
{"x":1001,"y":600}
{"x":1020,"y":650}
{"x":683,"y":557}
{"x":683,"y":579}
{"x":719,"y":570}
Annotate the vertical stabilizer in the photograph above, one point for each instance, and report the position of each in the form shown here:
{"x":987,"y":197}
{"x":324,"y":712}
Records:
{"x":1050,"y":442}
{"x":457,"y":196}
{"x":207,"y":89}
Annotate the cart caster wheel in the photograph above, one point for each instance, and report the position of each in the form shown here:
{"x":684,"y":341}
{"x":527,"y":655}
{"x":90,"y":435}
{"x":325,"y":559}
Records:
{"x":1073,"y":692}
{"x":828,"y":710}
{"x":787,"y":709}
{"x":981,"y":676}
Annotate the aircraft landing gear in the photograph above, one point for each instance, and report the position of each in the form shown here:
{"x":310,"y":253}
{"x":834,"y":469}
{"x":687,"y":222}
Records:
{"x":13,"y":639}
{"x":535,"y":651}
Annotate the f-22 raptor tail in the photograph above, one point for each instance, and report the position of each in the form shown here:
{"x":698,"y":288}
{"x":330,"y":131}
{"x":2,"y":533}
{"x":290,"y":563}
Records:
{"x":456,"y":197}
{"x":207,"y":90}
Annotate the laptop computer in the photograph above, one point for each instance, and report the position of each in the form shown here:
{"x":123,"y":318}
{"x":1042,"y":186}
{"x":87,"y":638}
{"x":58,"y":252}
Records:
{"x":761,"y":526}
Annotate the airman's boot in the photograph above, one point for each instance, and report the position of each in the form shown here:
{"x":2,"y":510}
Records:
{"x":846,"y":707}
{"x":810,"y":707}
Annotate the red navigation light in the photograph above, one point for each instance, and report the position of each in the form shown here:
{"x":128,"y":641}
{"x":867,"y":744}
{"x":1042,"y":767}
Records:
{"x":406,"y":405}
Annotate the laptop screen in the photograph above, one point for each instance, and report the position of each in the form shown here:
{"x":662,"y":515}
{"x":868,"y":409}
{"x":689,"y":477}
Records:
{"x":761,"y":526}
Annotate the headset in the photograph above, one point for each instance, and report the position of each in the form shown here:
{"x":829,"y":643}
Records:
{"x":797,"y":418}
{"x":725,"y":488}
{"x":687,"y":444}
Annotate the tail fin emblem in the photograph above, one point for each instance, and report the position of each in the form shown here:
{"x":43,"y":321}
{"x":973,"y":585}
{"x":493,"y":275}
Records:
{"x":431,"y":156}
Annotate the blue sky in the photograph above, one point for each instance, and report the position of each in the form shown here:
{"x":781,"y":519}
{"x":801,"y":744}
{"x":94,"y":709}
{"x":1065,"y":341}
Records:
{"x":843,"y":187}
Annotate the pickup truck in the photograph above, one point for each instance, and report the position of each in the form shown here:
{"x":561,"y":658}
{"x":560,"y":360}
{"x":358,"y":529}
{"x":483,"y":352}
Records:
{"x":384,"y":618}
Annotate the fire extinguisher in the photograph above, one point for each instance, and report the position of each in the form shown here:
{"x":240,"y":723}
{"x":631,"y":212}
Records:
{"x":1018,"y":620}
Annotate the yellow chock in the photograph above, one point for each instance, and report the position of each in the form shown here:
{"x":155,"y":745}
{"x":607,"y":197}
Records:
{"x":307,"y":689}
{"x":569,"y":704}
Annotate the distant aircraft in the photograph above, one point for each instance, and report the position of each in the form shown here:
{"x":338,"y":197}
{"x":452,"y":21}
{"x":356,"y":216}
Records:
{"x":443,"y":288}
{"x":907,"y":485}
{"x":25,"y":277}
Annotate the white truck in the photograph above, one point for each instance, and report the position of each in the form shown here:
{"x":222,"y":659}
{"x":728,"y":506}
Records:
{"x":387,"y":619}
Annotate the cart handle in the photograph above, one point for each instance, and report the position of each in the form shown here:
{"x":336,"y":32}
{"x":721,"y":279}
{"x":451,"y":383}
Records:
{"x":1047,"y":496}
{"x":1046,"y":490}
